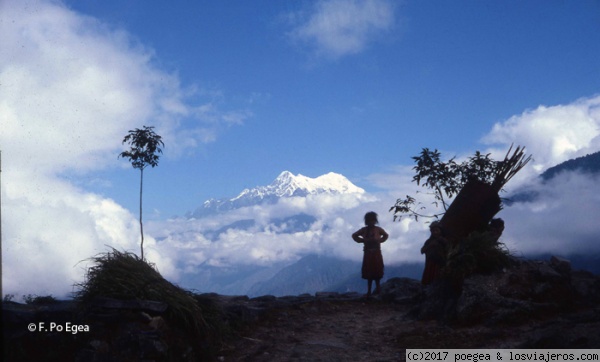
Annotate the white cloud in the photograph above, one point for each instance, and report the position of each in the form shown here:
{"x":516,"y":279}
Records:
{"x":336,"y":28}
{"x":71,"y":87}
{"x":52,"y":230}
{"x":552,"y":134}
{"x":561,"y":220}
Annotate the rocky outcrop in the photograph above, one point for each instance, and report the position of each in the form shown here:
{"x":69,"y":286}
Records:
{"x":547,"y":294}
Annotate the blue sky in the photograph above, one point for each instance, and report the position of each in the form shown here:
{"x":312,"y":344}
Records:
{"x":427,"y":74}
{"x":242,"y":91}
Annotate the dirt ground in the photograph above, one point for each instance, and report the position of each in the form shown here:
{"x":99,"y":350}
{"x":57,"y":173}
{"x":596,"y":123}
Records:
{"x":359,"y":330}
{"x":323,"y":331}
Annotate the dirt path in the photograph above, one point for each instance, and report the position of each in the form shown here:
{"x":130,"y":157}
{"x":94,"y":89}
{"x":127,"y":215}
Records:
{"x":357,"y":330}
{"x":362,"y":330}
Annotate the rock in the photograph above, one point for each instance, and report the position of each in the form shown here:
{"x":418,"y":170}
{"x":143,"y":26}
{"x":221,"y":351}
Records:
{"x":527,"y":289}
{"x":572,"y":331}
{"x":401,"y":290}
{"x":561,"y":265}
{"x":587,"y":287}
{"x":327,"y":295}
{"x":437,"y":301}
{"x":265,"y":298}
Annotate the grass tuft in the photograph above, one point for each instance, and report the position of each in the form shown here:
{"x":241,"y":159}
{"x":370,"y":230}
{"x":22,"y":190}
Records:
{"x":124,"y":276}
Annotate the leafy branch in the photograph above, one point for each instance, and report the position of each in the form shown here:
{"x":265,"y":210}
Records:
{"x":446,"y":179}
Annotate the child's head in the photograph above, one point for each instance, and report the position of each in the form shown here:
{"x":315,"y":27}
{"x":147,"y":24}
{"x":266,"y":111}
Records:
{"x":497,"y":225}
{"x":371,"y":218}
{"x":435,"y":228}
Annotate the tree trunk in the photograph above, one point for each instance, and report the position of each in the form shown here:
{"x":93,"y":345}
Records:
{"x":472,"y":209}
{"x":141,"y":225}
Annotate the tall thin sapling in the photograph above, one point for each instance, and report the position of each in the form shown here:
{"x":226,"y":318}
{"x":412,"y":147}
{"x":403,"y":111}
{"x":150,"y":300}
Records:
{"x":144,"y":150}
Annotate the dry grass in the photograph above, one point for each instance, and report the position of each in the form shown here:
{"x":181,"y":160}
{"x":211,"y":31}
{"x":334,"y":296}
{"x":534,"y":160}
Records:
{"x":125,"y":276}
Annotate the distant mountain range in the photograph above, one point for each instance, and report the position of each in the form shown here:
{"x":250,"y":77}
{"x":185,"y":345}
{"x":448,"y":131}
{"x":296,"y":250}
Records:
{"x":589,"y":164}
{"x":285,"y":185}
{"x":327,"y":274}
{"x":312,"y":273}
{"x":586,"y":164}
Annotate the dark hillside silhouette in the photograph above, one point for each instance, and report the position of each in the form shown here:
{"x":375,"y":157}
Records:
{"x":587,"y":164}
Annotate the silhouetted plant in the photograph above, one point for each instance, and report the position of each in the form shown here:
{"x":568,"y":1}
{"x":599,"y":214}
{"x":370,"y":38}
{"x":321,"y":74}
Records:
{"x":145,"y":147}
{"x":479,"y":253}
{"x":37,"y":299}
{"x":446,"y":179}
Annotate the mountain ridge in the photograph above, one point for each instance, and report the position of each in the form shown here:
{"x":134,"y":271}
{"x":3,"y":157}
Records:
{"x":587,"y":164}
{"x":285,"y":185}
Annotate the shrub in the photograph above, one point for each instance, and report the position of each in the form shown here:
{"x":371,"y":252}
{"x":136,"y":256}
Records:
{"x":480,"y":253}
{"x":38,"y":300}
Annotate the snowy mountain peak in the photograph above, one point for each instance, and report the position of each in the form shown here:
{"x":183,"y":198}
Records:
{"x":285,"y":185}
{"x":288,"y":184}
{"x":284,"y":177}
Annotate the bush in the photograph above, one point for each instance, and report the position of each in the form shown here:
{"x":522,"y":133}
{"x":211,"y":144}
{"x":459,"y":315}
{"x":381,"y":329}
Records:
{"x":479,"y":253}
{"x":38,"y":300}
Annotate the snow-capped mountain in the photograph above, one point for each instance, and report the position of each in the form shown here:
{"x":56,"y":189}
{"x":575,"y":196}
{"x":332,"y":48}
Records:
{"x":285,"y":185}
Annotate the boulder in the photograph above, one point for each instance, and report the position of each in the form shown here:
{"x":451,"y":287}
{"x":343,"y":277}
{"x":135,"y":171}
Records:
{"x":527,"y":289}
{"x":401,"y":290}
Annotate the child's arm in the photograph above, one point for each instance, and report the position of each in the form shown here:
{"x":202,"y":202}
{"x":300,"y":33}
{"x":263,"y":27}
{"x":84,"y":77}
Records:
{"x":358,"y":236}
{"x":425,"y":247}
{"x":384,"y":235}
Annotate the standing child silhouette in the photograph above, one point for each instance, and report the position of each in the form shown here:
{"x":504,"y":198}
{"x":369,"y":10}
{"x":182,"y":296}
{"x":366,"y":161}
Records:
{"x":371,"y":236}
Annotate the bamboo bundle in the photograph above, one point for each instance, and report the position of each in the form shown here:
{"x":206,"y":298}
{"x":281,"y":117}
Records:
{"x":478,"y":201}
{"x":509,"y":167}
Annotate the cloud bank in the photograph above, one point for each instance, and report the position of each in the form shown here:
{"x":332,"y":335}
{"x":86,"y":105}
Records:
{"x":71,"y":88}
{"x":561,"y":220}
{"x":553,"y":134}
{"x":272,"y":236}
